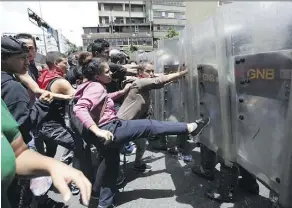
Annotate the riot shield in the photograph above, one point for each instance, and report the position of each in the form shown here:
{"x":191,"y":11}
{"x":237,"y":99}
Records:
{"x":213,"y":92}
{"x":188,"y":85}
{"x":258,"y":55}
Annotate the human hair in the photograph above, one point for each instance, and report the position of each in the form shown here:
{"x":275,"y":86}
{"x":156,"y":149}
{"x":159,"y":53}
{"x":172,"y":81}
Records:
{"x":73,"y":59}
{"x":54,"y":57}
{"x":26,"y":36}
{"x":90,"y":66}
{"x":118,"y":58}
{"x":82,"y":56}
{"x":99,"y":45}
{"x":142,"y":65}
{"x":74,"y":74}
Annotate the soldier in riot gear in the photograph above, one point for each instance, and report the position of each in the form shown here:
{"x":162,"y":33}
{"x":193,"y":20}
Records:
{"x":269,"y":71}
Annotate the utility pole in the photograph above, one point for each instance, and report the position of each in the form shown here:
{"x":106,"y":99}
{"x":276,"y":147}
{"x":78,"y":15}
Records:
{"x":35,"y":19}
{"x":130,"y":22}
{"x":44,"y":37}
{"x":151,"y":22}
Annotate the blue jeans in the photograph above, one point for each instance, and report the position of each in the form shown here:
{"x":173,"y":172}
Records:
{"x":127,"y":145}
{"x":125,"y":131}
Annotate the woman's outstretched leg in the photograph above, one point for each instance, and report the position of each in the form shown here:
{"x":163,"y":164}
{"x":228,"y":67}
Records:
{"x":128,"y":130}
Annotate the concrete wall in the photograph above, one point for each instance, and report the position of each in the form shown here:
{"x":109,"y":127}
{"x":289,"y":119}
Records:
{"x":198,"y":11}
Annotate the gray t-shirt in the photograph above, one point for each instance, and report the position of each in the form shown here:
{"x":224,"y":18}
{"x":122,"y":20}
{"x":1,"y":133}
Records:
{"x":136,"y":104}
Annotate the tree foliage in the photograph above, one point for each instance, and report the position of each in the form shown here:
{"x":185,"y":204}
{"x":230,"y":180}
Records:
{"x":133,"y":48}
{"x":72,"y":48}
{"x":171,"y":33}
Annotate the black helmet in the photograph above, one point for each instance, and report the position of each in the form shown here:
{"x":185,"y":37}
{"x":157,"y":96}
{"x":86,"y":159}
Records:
{"x":12,"y":46}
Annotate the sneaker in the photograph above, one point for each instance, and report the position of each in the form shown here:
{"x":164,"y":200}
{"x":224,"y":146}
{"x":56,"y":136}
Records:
{"x":142,"y":167}
{"x":187,"y":158}
{"x":202,"y":123}
{"x":130,"y":150}
{"x":74,"y":189}
{"x":121,"y":178}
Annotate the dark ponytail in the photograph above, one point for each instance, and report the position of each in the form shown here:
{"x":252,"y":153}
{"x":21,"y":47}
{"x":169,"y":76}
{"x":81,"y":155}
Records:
{"x":90,"y":66}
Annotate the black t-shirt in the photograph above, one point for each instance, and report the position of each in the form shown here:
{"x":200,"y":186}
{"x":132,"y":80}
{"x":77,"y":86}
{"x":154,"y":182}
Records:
{"x":33,"y":71}
{"x":119,"y":75}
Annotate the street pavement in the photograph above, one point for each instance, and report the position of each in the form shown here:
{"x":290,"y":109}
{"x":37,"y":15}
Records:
{"x":171,"y":184}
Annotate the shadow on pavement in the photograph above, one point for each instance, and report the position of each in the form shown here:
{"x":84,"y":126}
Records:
{"x":128,"y":196}
{"x":190,"y":189}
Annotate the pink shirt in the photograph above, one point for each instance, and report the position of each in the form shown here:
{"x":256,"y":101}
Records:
{"x":90,"y":96}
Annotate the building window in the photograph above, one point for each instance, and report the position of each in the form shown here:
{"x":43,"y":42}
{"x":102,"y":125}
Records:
{"x":169,"y":15}
{"x":89,"y":30}
{"x":134,"y":8}
{"x":174,"y":3}
{"x":135,"y":20}
{"x":113,"y":7}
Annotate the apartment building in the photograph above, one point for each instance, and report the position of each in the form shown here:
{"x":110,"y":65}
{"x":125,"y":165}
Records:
{"x":167,"y":15}
{"x":139,"y":23}
{"x":121,"y":23}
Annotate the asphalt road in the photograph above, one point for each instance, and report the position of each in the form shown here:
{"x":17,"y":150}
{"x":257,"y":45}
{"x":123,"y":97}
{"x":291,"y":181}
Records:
{"x":171,"y":184}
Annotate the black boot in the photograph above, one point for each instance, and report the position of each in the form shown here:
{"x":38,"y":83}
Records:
{"x":248,"y":182}
{"x":225,"y":191}
{"x":208,"y":162}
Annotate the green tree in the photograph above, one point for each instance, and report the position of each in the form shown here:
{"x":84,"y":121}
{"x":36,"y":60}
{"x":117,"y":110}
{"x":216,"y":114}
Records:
{"x":171,"y":33}
{"x":72,"y":48}
{"x":133,"y":48}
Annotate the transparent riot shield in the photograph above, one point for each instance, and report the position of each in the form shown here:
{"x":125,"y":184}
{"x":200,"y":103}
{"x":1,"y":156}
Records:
{"x":213,"y":92}
{"x":188,"y":84}
{"x":158,"y":95}
{"x":257,"y":51}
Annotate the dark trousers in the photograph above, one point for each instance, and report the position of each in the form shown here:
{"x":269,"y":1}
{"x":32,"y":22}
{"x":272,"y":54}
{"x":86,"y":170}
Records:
{"x":58,"y":133}
{"x":209,"y":161}
{"x":124,"y":131}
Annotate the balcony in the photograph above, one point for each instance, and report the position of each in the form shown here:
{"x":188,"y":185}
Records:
{"x":159,"y":34}
{"x":169,"y":8}
{"x":94,"y":36}
{"x":166,"y":21}
{"x":121,"y":14}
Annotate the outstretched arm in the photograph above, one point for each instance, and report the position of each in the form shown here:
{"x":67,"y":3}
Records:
{"x":160,"y":81}
{"x":34,"y":87}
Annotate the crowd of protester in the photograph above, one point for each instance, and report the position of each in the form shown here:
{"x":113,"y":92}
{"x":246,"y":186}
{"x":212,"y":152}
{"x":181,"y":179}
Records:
{"x":96,"y":99}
